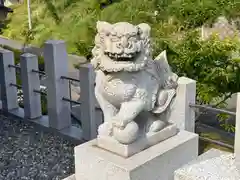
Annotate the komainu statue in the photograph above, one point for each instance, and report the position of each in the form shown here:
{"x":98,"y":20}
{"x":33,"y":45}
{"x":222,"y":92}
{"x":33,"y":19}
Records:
{"x":134,"y":91}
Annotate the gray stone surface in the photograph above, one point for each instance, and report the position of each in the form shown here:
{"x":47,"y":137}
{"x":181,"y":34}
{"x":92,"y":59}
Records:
{"x":72,"y":132}
{"x":89,"y":120}
{"x":218,"y":168}
{"x":212,"y":153}
{"x":56,"y":65}
{"x":7,"y":76}
{"x":154,"y":163}
{"x":182,"y":114}
{"x":30,"y":82}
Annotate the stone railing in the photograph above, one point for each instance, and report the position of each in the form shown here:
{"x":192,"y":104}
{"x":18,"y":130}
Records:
{"x":216,"y":164}
{"x":57,"y":93}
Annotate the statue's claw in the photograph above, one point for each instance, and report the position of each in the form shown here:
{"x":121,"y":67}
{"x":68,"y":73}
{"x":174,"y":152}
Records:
{"x":105,"y":129}
{"x":127,"y":135}
{"x":119,"y":124}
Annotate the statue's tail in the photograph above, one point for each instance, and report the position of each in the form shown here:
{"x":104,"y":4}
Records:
{"x":164,"y":72}
{"x":168,"y":83}
{"x":163,"y":104}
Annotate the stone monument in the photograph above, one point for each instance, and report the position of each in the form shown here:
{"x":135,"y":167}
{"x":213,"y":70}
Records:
{"x":138,"y":139}
{"x":134,"y":92}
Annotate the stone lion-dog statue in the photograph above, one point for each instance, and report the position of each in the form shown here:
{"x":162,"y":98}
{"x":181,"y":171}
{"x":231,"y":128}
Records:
{"x":129,"y":82}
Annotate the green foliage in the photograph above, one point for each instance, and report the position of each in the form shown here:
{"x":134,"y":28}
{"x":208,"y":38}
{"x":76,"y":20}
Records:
{"x":204,"y":146}
{"x":223,"y":119}
{"x":194,"y":13}
{"x":212,"y":63}
{"x":53,"y":18}
{"x":44,"y":105}
{"x":208,"y":62}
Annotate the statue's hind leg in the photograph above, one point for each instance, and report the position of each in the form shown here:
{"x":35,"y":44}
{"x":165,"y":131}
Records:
{"x":109,"y":111}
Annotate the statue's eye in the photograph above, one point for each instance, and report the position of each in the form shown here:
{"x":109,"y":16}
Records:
{"x":114,"y":38}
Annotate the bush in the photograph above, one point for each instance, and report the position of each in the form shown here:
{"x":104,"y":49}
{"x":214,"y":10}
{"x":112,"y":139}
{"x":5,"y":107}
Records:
{"x":213,"y":64}
{"x":209,"y":62}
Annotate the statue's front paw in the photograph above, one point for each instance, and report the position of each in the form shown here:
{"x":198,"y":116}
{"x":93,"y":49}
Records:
{"x":119,"y":124}
{"x":105,"y":129}
{"x":127,"y":135}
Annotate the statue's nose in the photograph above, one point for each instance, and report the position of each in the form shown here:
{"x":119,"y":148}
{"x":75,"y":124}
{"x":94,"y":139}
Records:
{"x":124,"y":42}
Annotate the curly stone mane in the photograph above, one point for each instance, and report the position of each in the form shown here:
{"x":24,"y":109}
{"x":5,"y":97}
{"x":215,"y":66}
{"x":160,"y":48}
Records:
{"x":142,"y":52}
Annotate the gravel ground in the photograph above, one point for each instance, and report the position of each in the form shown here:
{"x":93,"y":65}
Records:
{"x":27,"y":153}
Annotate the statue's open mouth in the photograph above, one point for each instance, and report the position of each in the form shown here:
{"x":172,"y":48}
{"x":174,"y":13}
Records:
{"x":122,"y":57}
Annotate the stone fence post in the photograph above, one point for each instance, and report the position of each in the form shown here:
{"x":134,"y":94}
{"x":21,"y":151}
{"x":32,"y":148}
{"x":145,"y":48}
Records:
{"x":182,"y":114}
{"x":89,"y":120}
{"x":8,"y":77}
{"x":30,"y":82}
{"x":237,"y":131}
{"x":56,"y":65}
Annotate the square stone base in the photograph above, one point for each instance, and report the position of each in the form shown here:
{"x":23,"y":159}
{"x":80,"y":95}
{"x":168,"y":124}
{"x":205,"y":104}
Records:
{"x":157,"y":162}
{"x":142,"y":143}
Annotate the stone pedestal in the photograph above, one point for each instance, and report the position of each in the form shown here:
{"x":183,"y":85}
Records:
{"x":143,"y":142}
{"x":157,"y":162}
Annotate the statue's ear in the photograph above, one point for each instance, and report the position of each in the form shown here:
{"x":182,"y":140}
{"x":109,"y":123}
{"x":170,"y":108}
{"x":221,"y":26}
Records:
{"x":144,"y":30}
{"x":103,"y":26}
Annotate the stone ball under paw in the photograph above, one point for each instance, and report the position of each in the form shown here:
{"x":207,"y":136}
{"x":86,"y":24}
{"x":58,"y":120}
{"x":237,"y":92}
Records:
{"x":127,"y":135}
{"x":105,"y":129}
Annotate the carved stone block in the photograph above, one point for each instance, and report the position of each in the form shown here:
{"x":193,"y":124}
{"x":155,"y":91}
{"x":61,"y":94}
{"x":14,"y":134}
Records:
{"x":154,"y":163}
{"x":140,"y":144}
{"x":129,"y":82}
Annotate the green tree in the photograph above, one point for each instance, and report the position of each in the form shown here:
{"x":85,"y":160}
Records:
{"x":214,"y":64}
{"x":209,"y":62}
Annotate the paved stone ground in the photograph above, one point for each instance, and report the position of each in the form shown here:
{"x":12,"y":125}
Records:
{"x":28,"y":153}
